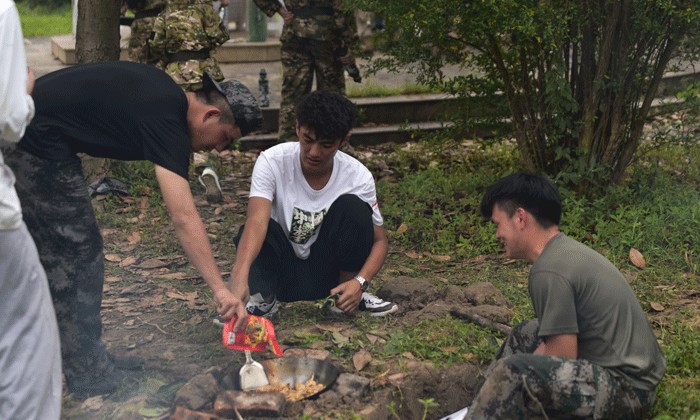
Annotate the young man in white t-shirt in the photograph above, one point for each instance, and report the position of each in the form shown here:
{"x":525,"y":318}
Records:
{"x":313,"y":226}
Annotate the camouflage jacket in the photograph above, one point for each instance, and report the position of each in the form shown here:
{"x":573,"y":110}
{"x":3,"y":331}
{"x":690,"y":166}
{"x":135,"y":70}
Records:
{"x":322,"y":20}
{"x":188,"y":25}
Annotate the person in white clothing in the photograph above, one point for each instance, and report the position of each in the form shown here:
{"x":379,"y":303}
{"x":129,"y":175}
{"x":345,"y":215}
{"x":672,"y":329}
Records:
{"x":313,"y":226}
{"x":30,"y":354}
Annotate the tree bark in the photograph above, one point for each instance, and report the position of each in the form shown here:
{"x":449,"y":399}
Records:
{"x":97,"y":31}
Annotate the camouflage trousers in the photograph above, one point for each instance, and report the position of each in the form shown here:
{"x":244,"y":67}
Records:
{"x":522,"y":385}
{"x":301,"y":60}
{"x":58,"y":213}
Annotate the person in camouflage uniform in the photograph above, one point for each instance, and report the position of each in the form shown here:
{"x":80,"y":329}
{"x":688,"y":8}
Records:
{"x":185,"y":36}
{"x":591,"y":353}
{"x":316,"y":38}
{"x":145,"y":12}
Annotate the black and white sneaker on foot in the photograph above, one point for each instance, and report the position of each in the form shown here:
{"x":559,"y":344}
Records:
{"x":372,"y":304}
{"x":376,"y":306}
{"x":257,"y":306}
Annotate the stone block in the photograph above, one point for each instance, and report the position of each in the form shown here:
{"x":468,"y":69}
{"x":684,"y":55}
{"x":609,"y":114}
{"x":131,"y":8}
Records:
{"x":353,"y":386}
{"x":198,"y":392}
{"x":249,"y":404}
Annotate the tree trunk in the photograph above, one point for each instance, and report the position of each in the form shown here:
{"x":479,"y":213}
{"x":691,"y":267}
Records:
{"x":97,"y":39}
{"x":97,"y":31}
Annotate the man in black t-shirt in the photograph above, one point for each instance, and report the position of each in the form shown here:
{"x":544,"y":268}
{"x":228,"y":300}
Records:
{"x":125,"y":111}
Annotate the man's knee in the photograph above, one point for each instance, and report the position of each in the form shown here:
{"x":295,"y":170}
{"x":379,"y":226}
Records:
{"x":351,"y":206}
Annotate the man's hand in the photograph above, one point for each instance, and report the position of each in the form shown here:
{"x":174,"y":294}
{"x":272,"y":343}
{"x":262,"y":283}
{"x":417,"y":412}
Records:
{"x":287,"y":16}
{"x":228,"y":306}
{"x":349,"y":294}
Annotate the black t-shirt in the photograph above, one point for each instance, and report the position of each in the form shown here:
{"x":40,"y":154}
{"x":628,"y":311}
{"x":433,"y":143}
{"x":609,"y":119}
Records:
{"x":118,"y":110}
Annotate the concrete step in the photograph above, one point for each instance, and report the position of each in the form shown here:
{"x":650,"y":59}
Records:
{"x":233,"y":50}
{"x":388,"y":110}
{"x":397,"y":119}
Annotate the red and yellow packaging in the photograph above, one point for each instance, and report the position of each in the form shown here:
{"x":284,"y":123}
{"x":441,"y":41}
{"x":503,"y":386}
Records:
{"x":256,"y":335}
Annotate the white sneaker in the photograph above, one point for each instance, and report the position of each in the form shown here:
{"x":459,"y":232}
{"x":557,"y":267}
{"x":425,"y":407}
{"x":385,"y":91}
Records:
{"x":372,"y":304}
{"x":211,"y":183}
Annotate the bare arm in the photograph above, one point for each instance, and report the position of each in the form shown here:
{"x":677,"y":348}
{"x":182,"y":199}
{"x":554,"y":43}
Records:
{"x":564,"y":345}
{"x":193,"y":238}
{"x":350,"y":290}
{"x":257,"y":221}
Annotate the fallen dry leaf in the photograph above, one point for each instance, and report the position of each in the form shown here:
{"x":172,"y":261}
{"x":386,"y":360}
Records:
{"x":112,"y":279}
{"x":174,"y":276}
{"x":412,"y":254}
{"x":176,"y":295}
{"x":361,"y":359}
{"x":657,"y":306}
{"x":127,"y":261}
{"x":93,"y":403}
{"x":113,"y":257}
{"x":403,"y":228}
{"x":152,"y":263}
{"x":441,"y":258}
{"x":449,"y":349}
{"x":329,"y":327}
{"x":637,"y":258}
{"x":134,"y":238}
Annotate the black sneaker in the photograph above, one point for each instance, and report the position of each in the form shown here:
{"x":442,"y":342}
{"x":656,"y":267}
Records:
{"x":376,"y":306}
{"x":257,"y":306}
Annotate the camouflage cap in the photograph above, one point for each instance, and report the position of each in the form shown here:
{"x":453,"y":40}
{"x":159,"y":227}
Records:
{"x":243,"y":104}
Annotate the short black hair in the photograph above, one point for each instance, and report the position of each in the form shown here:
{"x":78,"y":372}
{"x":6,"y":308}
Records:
{"x":535,"y":194}
{"x":328,"y":114}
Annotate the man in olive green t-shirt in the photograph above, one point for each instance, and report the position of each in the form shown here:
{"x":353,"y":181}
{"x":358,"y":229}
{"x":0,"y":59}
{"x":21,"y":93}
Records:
{"x":591,"y":352}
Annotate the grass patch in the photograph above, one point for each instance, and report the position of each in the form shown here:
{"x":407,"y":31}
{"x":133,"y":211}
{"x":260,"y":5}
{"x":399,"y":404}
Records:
{"x":42,"y":21}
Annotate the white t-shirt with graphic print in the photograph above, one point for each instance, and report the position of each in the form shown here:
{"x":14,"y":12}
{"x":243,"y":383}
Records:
{"x":297,"y":207}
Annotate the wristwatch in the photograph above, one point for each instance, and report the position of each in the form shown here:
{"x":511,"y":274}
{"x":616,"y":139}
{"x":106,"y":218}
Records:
{"x":364,"y":284}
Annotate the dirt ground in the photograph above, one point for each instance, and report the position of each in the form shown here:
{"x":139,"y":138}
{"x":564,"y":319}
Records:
{"x":156,"y":307}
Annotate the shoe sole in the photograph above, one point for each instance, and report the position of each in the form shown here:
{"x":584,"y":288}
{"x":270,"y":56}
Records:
{"x":393,"y":309}
{"x":213,"y":193}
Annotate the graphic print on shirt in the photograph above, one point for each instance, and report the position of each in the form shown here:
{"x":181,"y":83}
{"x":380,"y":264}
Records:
{"x":304,"y":225}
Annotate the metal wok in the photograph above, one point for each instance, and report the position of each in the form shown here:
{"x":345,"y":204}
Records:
{"x":289,"y":370}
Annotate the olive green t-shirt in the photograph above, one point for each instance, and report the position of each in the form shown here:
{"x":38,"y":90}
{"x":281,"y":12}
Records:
{"x":575,"y":290}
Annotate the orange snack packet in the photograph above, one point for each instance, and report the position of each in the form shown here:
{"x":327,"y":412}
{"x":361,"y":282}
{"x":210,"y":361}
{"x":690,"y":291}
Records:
{"x":256,"y":335}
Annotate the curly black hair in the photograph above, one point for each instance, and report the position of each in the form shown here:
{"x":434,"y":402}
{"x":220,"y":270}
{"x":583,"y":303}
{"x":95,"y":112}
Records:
{"x":329,"y":115}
